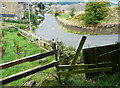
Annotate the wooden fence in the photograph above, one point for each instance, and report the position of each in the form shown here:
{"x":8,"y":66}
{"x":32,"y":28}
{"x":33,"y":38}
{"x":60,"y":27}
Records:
{"x":104,"y":56}
{"x":30,"y":71}
{"x":44,"y":45}
{"x":96,"y":60}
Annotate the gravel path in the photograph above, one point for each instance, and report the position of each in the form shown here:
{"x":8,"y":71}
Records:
{"x":51,"y":29}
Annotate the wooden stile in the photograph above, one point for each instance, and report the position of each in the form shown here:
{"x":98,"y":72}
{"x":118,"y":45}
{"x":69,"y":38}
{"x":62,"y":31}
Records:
{"x":77,"y":53}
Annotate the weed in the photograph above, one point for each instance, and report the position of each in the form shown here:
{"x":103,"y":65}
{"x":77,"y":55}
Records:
{"x":18,"y":49}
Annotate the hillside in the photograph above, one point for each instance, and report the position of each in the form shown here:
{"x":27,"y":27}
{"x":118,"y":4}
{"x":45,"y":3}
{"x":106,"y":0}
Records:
{"x":111,"y":18}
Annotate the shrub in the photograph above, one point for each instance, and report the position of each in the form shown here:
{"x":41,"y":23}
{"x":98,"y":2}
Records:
{"x":33,"y":17}
{"x":21,"y":26}
{"x":80,"y":17}
{"x":56,"y":14}
{"x":95,"y":11}
{"x":14,"y":21}
{"x":72,"y":12}
{"x":25,"y":21}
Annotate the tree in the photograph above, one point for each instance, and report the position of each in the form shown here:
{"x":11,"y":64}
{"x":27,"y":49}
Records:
{"x":33,"y":17}
{"x":41,"y":6}
{"x":72,"y":12}
{"x":95,"y":12}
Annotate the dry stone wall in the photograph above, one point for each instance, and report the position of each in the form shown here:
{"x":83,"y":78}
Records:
{"x":105,"y":29}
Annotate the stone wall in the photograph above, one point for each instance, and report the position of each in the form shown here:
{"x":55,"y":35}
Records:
{"x":101,"y":29}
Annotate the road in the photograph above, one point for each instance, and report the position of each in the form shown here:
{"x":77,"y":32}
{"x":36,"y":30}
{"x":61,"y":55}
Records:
{"x":50,"y":29}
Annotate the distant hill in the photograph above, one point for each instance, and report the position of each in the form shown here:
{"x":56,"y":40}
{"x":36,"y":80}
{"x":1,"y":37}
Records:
{"x":68,"y":3}
{"x":113,"y":4}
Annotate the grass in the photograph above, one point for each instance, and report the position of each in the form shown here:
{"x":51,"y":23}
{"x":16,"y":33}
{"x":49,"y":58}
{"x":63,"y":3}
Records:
{"x":112,"y":16}
{"x":81,"y":33}
{"x":28,"y":49}
{"x":104,"y":80}
{"x":21,"y":26}
{"x":10,"y":24}
{"x":64,"y":15}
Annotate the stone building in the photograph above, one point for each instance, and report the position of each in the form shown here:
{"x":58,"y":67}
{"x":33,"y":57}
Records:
{"x":14,"y":10}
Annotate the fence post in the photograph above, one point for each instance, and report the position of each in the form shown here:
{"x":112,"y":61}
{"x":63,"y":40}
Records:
{"x":79,"y":50}
{"x":54,"y":47}
{"x":77,"y":53}
{"x":119,"y":56}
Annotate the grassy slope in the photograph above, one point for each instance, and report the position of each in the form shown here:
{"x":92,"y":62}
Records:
{"x":112,"y":17}
{"x":10,"y":55}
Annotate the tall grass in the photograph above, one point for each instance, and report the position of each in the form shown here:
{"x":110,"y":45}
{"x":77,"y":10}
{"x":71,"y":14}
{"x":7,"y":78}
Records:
{"x":28,"y":49}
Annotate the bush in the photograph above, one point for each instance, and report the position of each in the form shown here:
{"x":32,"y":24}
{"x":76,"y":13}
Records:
{"x":80,"y":17}
{"x":13,"y":21}
{"x":56,"y":14}
{"x":95,"y":12}
{"x":9,"y":29}
{"x":33,"y":17}
{"x":72,"y":12}
{"x":25,"y":21}
{"x":21,"y":26}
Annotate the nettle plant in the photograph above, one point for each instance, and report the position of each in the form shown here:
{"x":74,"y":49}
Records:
{"x":18,"y":49}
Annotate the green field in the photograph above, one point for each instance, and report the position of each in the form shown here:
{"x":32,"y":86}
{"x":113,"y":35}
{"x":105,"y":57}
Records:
{"x":27,"y":49}
{"x":64,"y":15}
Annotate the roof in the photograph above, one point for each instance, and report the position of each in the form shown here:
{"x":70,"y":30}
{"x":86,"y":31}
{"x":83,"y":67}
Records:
{"x":8,"y":15}
{"x":78,"y":7}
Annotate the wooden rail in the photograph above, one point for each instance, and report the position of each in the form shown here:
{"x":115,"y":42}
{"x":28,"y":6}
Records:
{"x":93,"y":70}
{"x":108,"y":53}
{"x":29,"y":58}
{"x":27,"y":72}
{"x":33,"y":35}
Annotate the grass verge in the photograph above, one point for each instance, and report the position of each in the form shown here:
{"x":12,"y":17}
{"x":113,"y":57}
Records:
{"x":81,"y":33}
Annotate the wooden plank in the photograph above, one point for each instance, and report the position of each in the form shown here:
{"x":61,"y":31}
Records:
{"x":78,"y":66}
{"x":44,"y":49}
{"x":22,"y":31}
{"x":24,"y":36}
{"x":27,"y":72}
{"x":86,"y":71}
{"x":12,"y":63}
{"x":107,"y":48}
{"x":32,"y":35}
{"x":40,"y":40}
{"x":107,"y":56}
{"x":40,"y":56}
{"x":29,"y":34}
{"x":29,"y":58}
{"x":77,"y":53}
{"x":75,"y":66}
{"x":88,"y":54}
{"x":79,"y":50}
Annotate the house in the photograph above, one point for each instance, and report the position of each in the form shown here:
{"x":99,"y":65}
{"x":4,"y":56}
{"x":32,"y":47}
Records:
{"x":8,"y":16}
{"x":66,"y":8}
{"x":14,"y":10}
